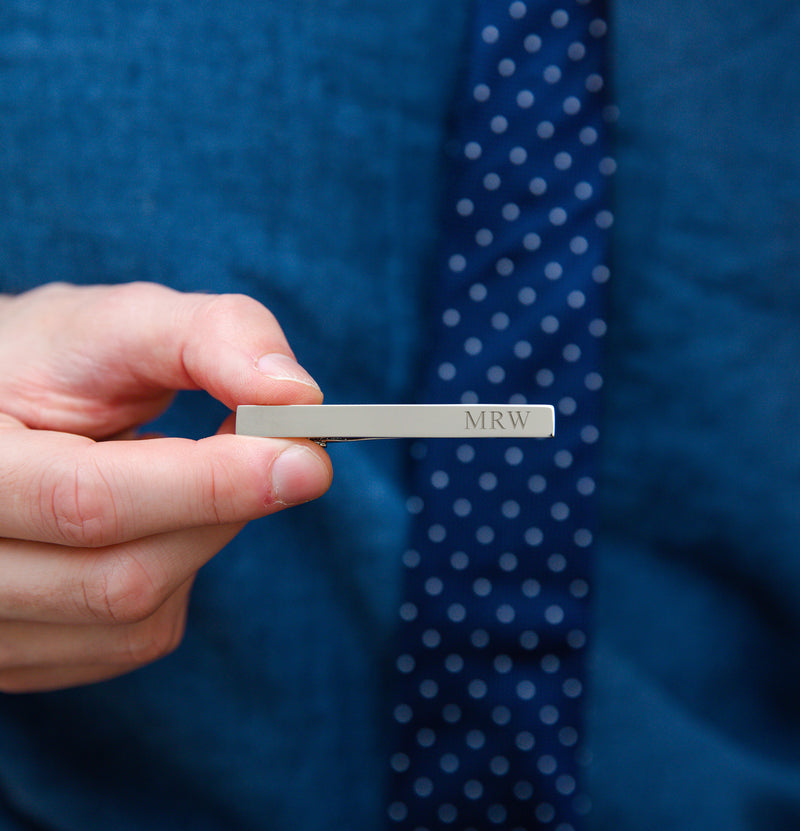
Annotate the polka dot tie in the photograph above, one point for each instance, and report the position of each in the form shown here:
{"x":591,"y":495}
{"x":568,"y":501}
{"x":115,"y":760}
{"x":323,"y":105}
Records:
{"x":490,"y":668}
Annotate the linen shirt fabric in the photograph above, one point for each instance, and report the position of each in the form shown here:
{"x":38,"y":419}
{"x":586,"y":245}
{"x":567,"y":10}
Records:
{"x":291,"y":151}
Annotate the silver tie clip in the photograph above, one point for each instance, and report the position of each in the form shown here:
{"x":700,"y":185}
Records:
{"x":355,"y":422}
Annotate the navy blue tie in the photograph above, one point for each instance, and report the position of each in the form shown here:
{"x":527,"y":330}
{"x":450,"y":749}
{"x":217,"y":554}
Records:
{"x":490,"y":670}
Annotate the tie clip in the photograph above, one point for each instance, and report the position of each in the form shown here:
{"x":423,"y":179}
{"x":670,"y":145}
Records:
{"x":356,"y":422}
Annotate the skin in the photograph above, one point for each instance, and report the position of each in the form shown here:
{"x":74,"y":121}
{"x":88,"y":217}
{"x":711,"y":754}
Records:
{"x":101,"y":536}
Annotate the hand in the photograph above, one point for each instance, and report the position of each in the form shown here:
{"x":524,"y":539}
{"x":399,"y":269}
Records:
{"x":100,"y":540}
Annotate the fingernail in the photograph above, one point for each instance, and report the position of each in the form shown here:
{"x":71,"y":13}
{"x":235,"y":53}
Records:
{"x":298,"y":475}
{"x":283,"y":368}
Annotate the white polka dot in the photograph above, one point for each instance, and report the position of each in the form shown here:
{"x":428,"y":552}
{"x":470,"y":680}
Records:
{"x":434,"y":586}
{"x":495,"y":375}
{"x":451,"y":317}
{"x":528,"y":640}
{"x":440,"y":479}
{"x":400,"y":762}
{"x":526,"y":296}
{"x":497,"y":814}
{"x":537,"y":186}
{"x":411,"y":558}
{"x":531,"y":588}
{"x":456,"y":612}
{"x":451,"y":713}
{"x":598,"y":28}
{"x":579,"y":245}
{"x":469,"y":397}
{"x":576,"y":639}
{"x":579,"y":588}
{"x":576,"y":299}
{"x":446,"y":371}
{"x":482,"y":587}
{"x":549,"y":324}
{"x":462,"y":507}
{"x":544,"y":378}
{"x":408,"y":612}
{"x":526,"y":690}
{"x":510,"y":509}
{"x":553,"y":271}
{"x":499,"y":765}
{"x":563,"y":459}
{"x":550,"y":664}
{"x":484,"y":237}
{"x":582,"y":537}
{"x":567,"y":405}
{"x":594,"y":83}
{"x":477,"y":292}
{"x":397,"y":810}
{"x":597,"y":328}
{"x":491,"y":181}
{"x":601,"y":274}
{"x":588,"y":136}
{"x":465,"y":453}
{"x":431,"y":638}
{"x":607,"y":166}
{"x":447,"y":813}
{"x":477,"y":688}
{"x":568,"y":736}
{"x":523,"y":349}
{"x":583,"y":190}
{"x":523,"y":791}
{"x":593,"y":381}
{"x":510,"y":212}
{"x":473,"y":789}
{"x":532,"y":44}
{"x":429,"y":688}
{"x":457,"y":263}
{"x":576,"y":51}
{"x":472,"y":150}
{"x":449,"y":763}
{"x":479,"y":638}
{"x":545,"y":812}
{"x":508,"y":561}
{"x":504,"y":266}
{"x":558,"y":216}
{"x":572,"y":688}
{"x":503,"y":664}
{"x":547,"y":765}
{"x":475,"y":739}
{"x":586,"y":486}
{"x":518,"y":155}
{"x":484,"y":535}
{"x":559,"y":511}
{"x":437,"y":533}
{"x":490,"y":34}
{"x":559,"y":18}
{"x":403,"y":714}
{"x":590,"y":434}
{"x":525,"y":99}
{"x":552,"y":74}
{"x":465,"y":207}
{"x":505,"y":613}
{"x":414,"y":504}
{"x":487,"y":481}
{"x":423,"y":786}
{"x":545,"y":129}
{"x":571,"y":352}
{"x":571,"y":105}
{"x":537,"y":483}
{"x":562,"y":161}
{"x":454,"y":663}
{"x":514,"y":456}
{"x":517,"y":9}
{"x":604,"y":219}
{"x":405,"y":664}
{"x":498,"y":124}
{"x":556,"y":563}
{"x":534,"y":536}
{"x":481,"y":93}
{"x":531,"y":242}
{"x":525,"y":741}
{"x":459,"y":560}
{"x":506,"y":67}
{"x":500,"y":321}
{"x":473,"y":346}
{"x":565,"y":784}
{"x":549,"y":714}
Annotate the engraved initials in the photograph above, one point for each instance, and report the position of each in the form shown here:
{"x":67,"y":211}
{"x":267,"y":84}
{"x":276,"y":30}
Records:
{"x":515,"y":420}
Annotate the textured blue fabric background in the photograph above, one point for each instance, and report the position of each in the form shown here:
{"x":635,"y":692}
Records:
{"x":289,"y":151}
{"x":696,"y":690}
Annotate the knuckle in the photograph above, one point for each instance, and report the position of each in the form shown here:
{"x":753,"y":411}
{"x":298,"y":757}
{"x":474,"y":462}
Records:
{"x":119,"y":589}
{"x":153,"y":640}
{"x":78,"y":503}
